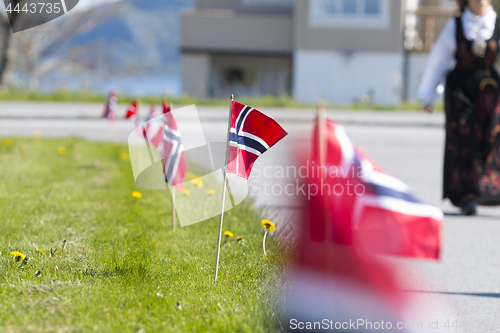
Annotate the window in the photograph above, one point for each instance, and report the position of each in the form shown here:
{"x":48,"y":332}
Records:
{"x":331,"y":6}
{"x":448,"y":3}
{"x":372,"y":7}
{"x":350,"y":13}
{"x":270,"y":3}
{"x":350,"y":7}
{"x":239,"y":76}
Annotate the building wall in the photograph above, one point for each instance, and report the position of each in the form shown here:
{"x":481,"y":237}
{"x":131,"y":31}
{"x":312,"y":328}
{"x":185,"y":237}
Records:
{"x":260,"y":75}
{"x":343,"y":77}
{"x":248,"y":6}
{"x":196,"y":73}
{"x":417,"y":63}
{"x":226,"y":31}
{"x":352,"y":38}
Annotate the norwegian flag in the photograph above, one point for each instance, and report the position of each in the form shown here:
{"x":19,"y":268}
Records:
{"x":166,"y":107}
{"x":132,"y":111}
{"x":252,"y":133}
{"x":110,"y":109}
{"x":152,"y":112}
{"x":381,"y":213}
{"x":166,"y":138}
{"x":342,"y":283}
{"x":139,"y":126}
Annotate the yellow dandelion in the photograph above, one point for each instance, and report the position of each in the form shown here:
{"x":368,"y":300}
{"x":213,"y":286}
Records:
{"x":240,"y":239}
{"x":197,"y":182}
{"x":22,"y":147}
{"x":37,"y":144}
{"x":124,"y":156}
{"x":9,"y":142}
{"x":185,"y":191}
{"x":95,"y":222}
{"x":211,"y":192}
{"x":52,"y":189}
{"x":137,"y":194}
{"x":61,"y":150}
{"x":191,"y":175}
{"x":268,"y":225}
{"x":41,"y":251}
{"x":37,"y":134}
{"x":18,"y":256}
{"x":228,"y":234}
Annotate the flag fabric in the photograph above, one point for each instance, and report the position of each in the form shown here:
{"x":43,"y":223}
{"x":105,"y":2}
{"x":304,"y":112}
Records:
{"x":152,"y":112}
{"x":166,"y":138}
{"x":330,"y":280}
{"x":252,"y":134}
{"x":110,"y":109}
{"x":380,"y":212}
{"x":166,"y":107}
{"x":132,"y":111}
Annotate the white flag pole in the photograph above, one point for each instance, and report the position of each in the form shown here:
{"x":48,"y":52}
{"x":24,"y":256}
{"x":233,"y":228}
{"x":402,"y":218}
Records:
{"x":224,"y":188}
{"x":172,"y":189}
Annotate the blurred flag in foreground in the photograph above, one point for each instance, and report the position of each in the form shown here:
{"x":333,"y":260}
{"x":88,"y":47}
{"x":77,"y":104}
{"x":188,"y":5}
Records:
{"x":132,"y":111}
{"x":110,"y":108}
{"x":252,"y":133}
{"x":371,"y":208}
{"x":166,"y":138}
{"x":338,"y":287}
{"x":356,"y":211}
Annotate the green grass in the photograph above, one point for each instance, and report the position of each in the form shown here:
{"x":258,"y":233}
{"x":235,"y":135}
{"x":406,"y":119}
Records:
{"x":124,"y":268}
{"x":260,"y":102}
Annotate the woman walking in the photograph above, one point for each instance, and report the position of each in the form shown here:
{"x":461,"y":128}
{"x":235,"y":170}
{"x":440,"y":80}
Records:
{"x":472,"y":159}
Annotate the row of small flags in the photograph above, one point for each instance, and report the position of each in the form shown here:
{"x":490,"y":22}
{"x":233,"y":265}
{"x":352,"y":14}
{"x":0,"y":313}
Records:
{"x":386,"y":218}
{"x":132,"y":112}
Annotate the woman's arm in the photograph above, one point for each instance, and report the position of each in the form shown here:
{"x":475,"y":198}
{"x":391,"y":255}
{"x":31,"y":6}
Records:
{"x":438,"y":63}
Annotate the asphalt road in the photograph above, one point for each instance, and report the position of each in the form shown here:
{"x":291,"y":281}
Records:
{"x":464,"y":285}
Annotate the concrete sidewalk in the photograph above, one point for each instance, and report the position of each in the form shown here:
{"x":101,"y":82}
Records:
{"x":73,"y":111}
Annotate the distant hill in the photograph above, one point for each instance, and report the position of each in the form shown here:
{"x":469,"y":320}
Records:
{"x":135,"y":39}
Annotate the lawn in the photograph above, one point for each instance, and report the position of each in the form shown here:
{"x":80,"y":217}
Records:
{"x":124,"y":269}
{"x":258,"y":102}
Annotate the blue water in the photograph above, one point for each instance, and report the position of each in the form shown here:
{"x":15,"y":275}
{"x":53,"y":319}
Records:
{"x":133,"y":86}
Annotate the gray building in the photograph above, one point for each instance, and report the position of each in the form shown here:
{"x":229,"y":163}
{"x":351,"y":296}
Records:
{"x":341,"y":50}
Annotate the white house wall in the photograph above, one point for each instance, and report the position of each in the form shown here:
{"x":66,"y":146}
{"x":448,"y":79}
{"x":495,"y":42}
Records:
{"x":343,"y":77}
{"x":417,"y":62}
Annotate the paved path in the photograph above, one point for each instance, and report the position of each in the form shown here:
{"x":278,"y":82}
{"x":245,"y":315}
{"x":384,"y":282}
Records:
{"x":463,"y":285}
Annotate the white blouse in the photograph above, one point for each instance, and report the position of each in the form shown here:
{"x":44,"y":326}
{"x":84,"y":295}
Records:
{"x":442,"y":54}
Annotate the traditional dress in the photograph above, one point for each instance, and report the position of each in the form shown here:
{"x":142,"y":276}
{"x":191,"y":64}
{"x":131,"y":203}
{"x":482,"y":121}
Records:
{"x":472,"y":159}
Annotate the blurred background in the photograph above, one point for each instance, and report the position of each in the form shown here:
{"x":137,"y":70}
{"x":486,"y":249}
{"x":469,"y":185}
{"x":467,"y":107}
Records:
{"x":345,"y":51}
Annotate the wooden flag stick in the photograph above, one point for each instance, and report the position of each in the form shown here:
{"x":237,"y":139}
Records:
{"x":224,"y":183}
{"x":321,"y":137}
{"x":322,"y":151}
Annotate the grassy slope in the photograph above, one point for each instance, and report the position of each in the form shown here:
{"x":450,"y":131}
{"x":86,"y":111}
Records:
{"x":267,"y":101}
{"x":116,"y":266}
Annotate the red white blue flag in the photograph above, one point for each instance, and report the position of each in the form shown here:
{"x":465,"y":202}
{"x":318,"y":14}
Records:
{"x":252,"y":134}
{"x":380,"y":212}
{"x":166,"y":107}
{"x":166,"y":138}
{"x":110,"y":109}
{"x":132,"y":111}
